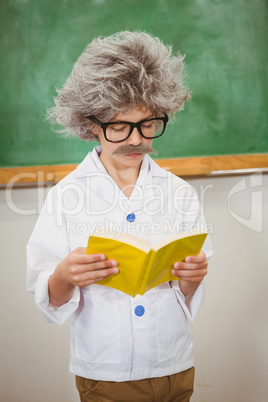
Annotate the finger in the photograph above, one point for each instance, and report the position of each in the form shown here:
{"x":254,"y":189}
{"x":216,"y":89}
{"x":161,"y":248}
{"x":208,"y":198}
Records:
{"x":82,"y":258}
{"x":193,"y":278}
{"x":185,"y":266}
{"x":89,"y":278}
{"x":78,"y":269}
{"x":196,"y":258}
{"x":196,"y":279}
{"x":187,"y":275}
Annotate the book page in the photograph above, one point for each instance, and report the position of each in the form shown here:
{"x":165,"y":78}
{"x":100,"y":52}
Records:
{"x":172,"y":238}
{"x":123,"y":237}
{"x":170,"y":253}
{"x":130,"y":263}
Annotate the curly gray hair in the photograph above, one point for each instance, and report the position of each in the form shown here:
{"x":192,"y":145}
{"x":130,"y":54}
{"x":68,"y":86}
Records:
{"x":116,"y":74}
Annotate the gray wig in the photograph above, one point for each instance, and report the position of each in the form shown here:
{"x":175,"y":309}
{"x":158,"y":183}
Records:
{"x":115,"y":75}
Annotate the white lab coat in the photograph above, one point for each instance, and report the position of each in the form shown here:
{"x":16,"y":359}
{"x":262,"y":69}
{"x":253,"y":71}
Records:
{"x":109,"y":341}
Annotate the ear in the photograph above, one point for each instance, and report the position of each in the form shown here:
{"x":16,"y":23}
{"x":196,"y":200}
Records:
{"x":95,"y":129}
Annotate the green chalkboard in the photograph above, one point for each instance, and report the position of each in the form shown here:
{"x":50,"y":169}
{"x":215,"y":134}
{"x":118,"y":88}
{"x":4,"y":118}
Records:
{"x":226,"y":54}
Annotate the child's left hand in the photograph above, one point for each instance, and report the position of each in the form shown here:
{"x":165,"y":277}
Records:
{"x":191,"y":272}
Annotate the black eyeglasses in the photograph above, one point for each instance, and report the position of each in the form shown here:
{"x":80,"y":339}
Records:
{"x":118,"y":131}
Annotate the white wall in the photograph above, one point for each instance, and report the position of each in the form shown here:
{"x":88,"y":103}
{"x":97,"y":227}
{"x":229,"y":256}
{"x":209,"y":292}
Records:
{"x":230,"y":332}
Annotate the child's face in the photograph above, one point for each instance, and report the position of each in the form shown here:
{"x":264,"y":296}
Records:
{"x":118,"y":160}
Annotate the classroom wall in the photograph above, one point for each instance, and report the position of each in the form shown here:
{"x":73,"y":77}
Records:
{"x":230,"y":332}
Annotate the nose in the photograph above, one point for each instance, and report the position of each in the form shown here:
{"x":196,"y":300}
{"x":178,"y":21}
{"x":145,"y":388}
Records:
{"x":135,"y":137}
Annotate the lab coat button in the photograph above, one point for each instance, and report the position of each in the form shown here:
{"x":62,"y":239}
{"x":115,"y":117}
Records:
{"x":131,"y":217}
{"x":139,"y":311}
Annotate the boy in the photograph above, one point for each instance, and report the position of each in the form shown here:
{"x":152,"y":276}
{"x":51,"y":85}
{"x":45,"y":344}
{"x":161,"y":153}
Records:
{"x":121,"y":92}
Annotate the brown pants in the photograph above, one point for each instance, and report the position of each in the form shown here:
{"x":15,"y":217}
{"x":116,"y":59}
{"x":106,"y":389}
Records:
{"x":175,"y":388}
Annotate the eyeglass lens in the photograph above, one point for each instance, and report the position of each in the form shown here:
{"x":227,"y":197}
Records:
{"x":120,"y":131}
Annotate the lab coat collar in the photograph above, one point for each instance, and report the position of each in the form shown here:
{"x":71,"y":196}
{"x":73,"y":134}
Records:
{"x":103,"y":184}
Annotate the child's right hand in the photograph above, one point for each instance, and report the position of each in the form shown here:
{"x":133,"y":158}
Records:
{"x":81,"y":269}
{"x":78,"y":269}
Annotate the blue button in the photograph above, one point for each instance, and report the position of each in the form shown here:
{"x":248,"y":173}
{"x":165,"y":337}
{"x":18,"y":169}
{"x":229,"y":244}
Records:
{"x":139,"y":311}
{"x":131,"y":217}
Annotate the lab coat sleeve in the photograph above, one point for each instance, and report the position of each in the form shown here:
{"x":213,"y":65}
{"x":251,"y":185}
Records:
{"x":55,"y":315}
{"x":48,"y":245}
{"x":192,"y":303}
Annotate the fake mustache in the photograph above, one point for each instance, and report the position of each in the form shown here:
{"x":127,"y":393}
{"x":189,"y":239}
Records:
{"x":134,"y":149}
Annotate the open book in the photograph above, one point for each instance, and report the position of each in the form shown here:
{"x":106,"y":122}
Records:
{"x":141,"y":265}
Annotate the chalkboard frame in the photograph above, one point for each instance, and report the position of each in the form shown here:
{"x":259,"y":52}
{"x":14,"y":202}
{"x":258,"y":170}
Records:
{"x":195,"y":166}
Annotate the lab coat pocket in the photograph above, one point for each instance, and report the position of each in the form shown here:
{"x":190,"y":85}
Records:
{"x":173,"y":334}
{"x":97,"y":326}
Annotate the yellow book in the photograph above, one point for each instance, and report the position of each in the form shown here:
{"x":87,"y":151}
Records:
{"x":141,"y":265}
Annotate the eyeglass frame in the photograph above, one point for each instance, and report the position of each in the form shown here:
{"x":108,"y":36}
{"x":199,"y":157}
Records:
{"x":132,"y":125}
